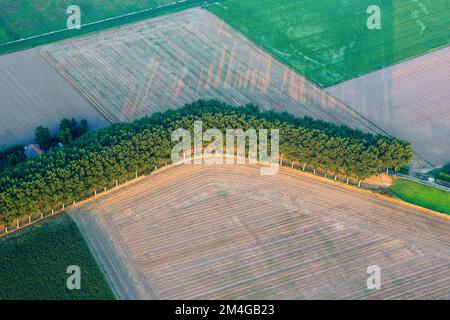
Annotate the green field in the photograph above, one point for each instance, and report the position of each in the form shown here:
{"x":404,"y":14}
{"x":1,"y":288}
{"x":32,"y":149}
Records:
{"x":422,"y":195}
{"x":4,"y":36}
{"x":34,"y":261}
{"x":20,"y":19}
{"x":328,"y":41}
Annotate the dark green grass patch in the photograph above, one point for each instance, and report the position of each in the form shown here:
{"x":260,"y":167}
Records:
{"x":328,"y":41}
{"x":33,"y":263}
{"x":422,"y":195}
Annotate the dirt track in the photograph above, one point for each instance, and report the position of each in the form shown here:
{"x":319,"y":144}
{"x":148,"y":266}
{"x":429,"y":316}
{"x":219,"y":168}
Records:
{"x":32,"y":93}
{"x":210,"y":232}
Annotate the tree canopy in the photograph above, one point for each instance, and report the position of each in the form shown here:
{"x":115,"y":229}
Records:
{"x":69,"y":131}
{"x":100,"y":157}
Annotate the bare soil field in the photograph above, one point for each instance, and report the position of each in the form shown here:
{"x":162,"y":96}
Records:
{"x":33,"y":94}
{"x":165,"y":62}
{"x":383,"y":180}
{"x":227,"y":232}
{"x":410,"y":100}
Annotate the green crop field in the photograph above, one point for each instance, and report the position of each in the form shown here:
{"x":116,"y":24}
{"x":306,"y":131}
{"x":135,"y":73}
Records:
{"x":34,"y":262}
{"x":328,"y":41}
{"x":422,"y":195}
{"x":20,"y":19}
{"x":4,"y":36}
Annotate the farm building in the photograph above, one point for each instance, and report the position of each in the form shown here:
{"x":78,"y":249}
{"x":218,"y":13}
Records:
{"x":33,"y":150}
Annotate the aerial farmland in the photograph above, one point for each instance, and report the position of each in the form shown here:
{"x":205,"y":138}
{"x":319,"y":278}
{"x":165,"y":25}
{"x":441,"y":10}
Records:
{"x":329,"y":41}
{"x":187,"y":56}
{"x":347,"y":100}
{"x":330,"y":44}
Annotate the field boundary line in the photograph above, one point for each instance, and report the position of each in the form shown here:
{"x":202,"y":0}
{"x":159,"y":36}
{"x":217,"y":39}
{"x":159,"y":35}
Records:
{"x":60,"y":71}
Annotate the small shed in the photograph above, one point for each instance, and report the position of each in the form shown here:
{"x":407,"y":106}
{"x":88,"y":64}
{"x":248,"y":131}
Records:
{"x":33,"y":150}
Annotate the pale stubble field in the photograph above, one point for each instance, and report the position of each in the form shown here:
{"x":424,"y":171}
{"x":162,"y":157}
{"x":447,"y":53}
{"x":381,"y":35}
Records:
{"x":410,"y":100}
{"x":32,"y":93}
{"x":226,"y":232}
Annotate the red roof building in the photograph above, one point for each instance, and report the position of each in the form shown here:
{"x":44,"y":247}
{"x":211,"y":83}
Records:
{"x":33,"y":150}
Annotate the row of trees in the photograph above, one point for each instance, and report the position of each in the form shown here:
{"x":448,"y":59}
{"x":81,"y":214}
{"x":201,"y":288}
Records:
{"x":100,"y":157}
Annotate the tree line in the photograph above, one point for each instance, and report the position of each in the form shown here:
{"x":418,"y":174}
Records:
{"x":98,"y":158}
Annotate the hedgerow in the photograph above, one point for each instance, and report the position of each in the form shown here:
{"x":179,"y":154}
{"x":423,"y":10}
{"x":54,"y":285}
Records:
{"x":96,"y":159}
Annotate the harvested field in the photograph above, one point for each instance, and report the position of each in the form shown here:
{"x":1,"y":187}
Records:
{"x":33,"y":94}
{"x":221,"y":232}
{"x":410,"y":100}
{"x":168,"y":61}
